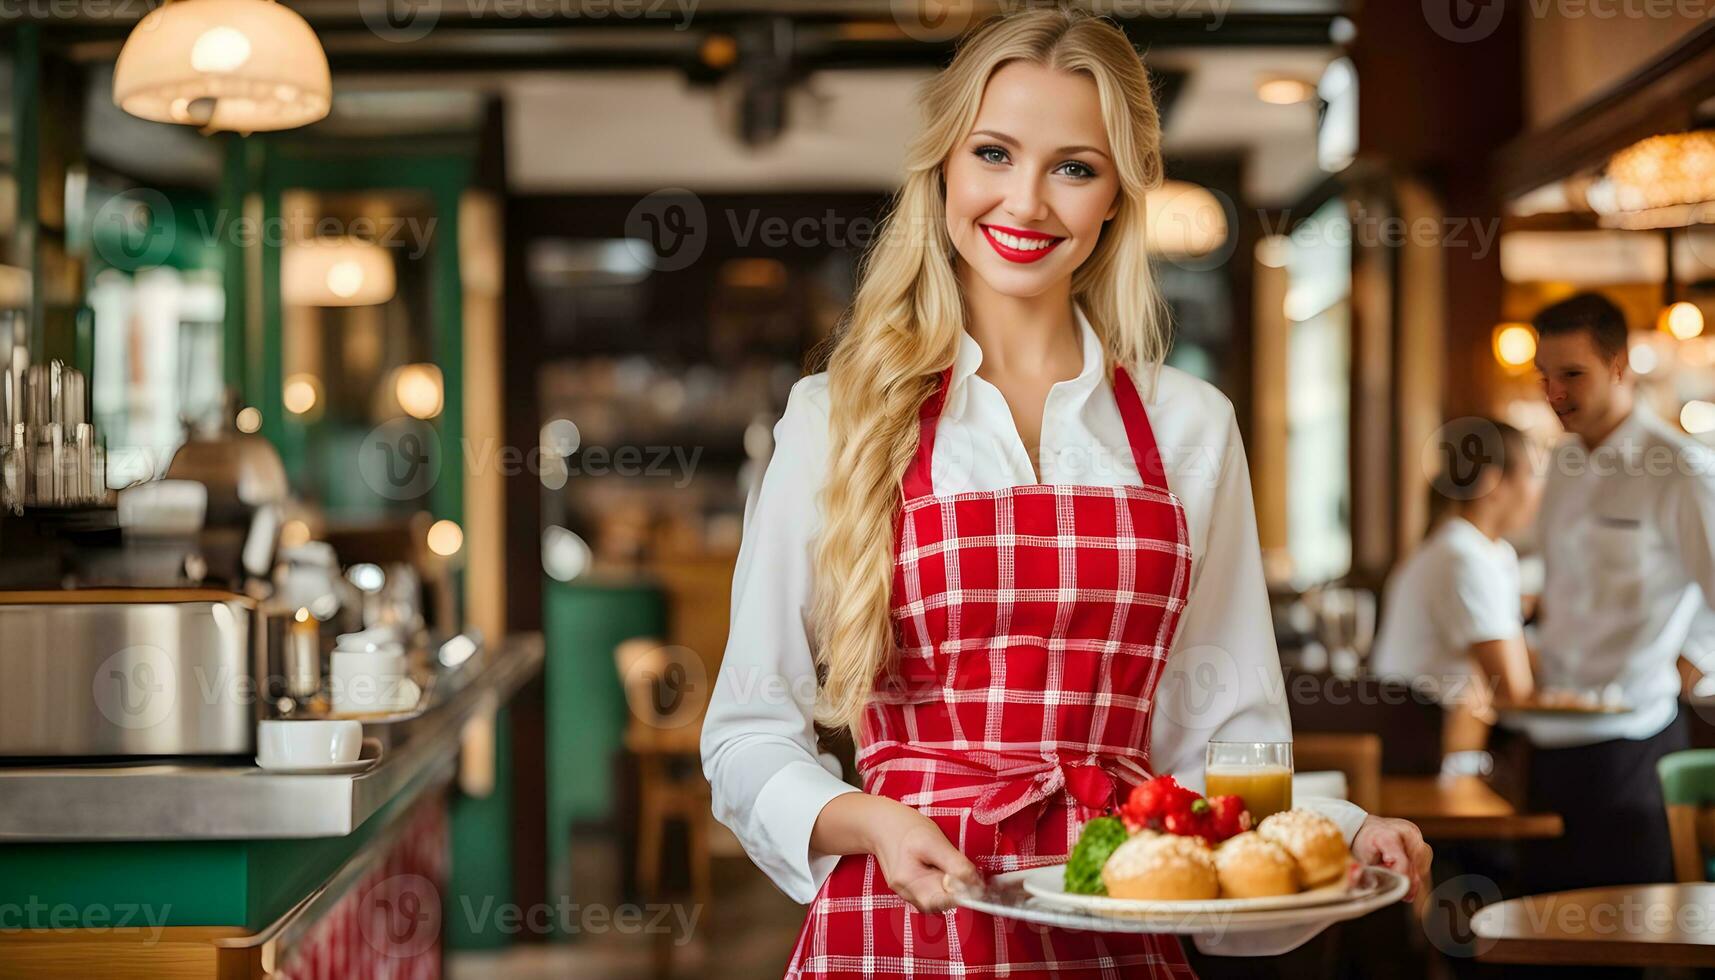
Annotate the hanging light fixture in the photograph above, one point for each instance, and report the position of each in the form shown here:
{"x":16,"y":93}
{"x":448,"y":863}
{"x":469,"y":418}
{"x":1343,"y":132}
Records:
{"x":1664,"y":171}
{"x":336,"y":271}
{"x":240,"y":65}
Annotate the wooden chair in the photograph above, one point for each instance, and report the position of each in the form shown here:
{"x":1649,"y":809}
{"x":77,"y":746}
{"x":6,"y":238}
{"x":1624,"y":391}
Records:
{"x":1359,"y":756}
{"x":698,"y":589}
{"x":667,"y":690}
{"x":1688,"y":788}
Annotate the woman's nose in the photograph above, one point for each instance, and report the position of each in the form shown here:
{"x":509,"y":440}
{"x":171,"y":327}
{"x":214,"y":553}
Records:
{"x":1024,"y":199}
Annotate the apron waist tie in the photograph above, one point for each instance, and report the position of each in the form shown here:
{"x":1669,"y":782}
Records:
{"x":1021,"y":788}
{"x":1016,"y":805}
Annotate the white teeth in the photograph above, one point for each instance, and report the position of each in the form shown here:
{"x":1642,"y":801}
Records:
{"x":1025,"y":244}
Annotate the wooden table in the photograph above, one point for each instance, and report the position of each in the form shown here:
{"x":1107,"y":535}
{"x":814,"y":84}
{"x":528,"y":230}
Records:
{"x":1634,"y":925}
{"x":1461,"y":808}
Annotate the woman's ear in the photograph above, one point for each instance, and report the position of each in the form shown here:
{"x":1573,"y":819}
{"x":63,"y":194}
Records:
{"x":1113,"y":209}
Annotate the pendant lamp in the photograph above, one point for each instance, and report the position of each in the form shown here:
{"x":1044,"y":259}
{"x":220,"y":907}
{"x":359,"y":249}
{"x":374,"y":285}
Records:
{"x":245,"y":66}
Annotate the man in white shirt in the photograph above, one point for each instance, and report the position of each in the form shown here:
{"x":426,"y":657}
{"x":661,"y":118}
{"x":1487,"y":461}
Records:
{"x":1627,"y":522}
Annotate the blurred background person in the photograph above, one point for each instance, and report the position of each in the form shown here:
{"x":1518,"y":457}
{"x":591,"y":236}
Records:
{"x":1452,"y":624}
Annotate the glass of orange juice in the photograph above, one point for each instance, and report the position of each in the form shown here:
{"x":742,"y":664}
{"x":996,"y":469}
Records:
{"x":1258,"y":772}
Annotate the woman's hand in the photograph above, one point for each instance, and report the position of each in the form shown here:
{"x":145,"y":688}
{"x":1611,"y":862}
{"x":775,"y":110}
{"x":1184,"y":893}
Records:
{"x":916,"y":858}
{"x":1396,"y":845}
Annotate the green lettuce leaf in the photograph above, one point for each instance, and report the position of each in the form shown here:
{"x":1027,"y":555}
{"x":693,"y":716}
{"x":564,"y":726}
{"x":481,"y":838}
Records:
{"x":1098,"y":840}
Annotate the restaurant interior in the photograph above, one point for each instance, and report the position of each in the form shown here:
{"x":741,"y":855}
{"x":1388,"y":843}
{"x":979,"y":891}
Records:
{"x":405,"y":367}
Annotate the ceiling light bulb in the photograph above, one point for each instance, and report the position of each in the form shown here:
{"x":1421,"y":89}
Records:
{"x":220,"y":49}
{"x":1283,"y":91}
{"x":1515,"y":345}
{"x":345,"y":278}
{"x":1683,"y":320}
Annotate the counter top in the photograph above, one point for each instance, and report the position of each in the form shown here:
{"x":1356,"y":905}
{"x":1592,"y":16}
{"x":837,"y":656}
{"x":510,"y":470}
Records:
{"x":187,"y":801}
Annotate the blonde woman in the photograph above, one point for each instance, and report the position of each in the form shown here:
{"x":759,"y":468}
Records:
{"x":998,"y":540}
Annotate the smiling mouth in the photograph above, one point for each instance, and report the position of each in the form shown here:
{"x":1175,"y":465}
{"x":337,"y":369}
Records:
{"x":1019,"y":245}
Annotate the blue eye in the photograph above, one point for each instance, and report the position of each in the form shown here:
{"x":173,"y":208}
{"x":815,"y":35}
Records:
{"x":982,"y":153}
{"x":1085,"y":172}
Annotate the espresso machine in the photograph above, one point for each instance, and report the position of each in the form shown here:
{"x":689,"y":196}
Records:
{"x":134,"y":625}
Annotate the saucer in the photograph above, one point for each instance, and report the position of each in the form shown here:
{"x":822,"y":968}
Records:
{"x":371,"y":754}
{"x":409,"y":706}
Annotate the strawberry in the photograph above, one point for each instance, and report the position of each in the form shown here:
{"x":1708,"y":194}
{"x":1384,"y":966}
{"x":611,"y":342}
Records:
{"x":1191,"y":821}
{"x":1228,"y":816}
{"x":1163,"y":804}
{"x":1158,"y":797}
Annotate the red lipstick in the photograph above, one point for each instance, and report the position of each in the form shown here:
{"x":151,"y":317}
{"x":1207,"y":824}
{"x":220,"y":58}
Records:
{"x":1031,"y":252}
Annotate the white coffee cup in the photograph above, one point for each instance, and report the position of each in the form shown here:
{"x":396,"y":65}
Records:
{"x":307,"y":743}
{"x":363,"y":681}
{"x":377,"y":638}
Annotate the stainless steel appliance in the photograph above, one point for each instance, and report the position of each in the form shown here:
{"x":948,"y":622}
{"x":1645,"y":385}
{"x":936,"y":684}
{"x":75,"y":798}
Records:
{"x":127,"y":672}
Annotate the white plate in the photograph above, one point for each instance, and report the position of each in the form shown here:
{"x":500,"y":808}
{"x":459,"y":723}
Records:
{"x":1049,"y":885}
{"x":1004,"y":895}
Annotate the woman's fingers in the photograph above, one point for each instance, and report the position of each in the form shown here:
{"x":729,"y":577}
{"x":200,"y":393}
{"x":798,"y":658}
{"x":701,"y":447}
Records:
{"x":933,"y":864}
{"x":924,"y":890}
{"x":954,"y":863}
{"x":1423,"y":856}
{"x":1398,"y":846}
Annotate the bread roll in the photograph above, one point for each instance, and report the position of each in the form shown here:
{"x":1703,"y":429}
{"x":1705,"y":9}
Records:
{"x":1313,"y":840}
{"x":1161,"y":867}
{"x":1252,"y":866}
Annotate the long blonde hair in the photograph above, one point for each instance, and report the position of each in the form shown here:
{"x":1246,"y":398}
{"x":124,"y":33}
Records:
{"x":903,"y":325}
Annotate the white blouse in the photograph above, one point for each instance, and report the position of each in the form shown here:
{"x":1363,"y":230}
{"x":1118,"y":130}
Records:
{"x":1223,"y":677}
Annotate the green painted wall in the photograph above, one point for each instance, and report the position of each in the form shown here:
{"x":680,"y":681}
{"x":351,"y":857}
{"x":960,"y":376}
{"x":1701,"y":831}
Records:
{"x":482,"y":855}
{"x":581,"y":626}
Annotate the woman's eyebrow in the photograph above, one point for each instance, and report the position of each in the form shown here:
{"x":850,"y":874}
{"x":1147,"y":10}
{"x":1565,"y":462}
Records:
{"x":1009,"y":141}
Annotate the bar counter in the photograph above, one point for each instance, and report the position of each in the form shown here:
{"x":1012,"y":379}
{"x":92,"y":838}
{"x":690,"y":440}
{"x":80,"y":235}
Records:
{"x":224,"y":870}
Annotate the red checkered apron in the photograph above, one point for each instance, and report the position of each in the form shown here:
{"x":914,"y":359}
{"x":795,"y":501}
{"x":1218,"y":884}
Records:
{"x":1032,"y":625}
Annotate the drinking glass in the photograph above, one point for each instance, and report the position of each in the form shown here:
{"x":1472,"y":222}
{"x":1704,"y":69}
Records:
{"x":1258,"y":772}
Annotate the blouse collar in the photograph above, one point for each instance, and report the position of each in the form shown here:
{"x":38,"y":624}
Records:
{"x":970,"y":357}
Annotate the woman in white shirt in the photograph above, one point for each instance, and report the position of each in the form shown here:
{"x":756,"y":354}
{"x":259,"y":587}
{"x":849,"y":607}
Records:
{"x":1452,"y":624}
{"x":1022,"y":580}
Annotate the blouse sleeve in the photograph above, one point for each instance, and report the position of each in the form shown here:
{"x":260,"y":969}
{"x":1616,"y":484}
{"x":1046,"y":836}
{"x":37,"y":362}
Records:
{"x":759,"y":753}
{"x":1223,"y":677}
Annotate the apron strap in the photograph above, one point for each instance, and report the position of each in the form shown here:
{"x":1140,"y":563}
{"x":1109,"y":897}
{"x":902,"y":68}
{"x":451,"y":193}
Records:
{"x":918,"y":481}
{"x":1144,"y":452}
